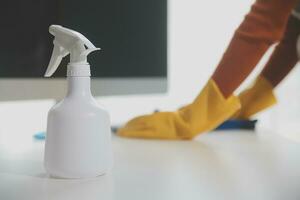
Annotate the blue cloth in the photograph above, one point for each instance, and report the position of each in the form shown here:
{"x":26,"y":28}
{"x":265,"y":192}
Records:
{"x":40,"y":135}
{"x":237,"y":124}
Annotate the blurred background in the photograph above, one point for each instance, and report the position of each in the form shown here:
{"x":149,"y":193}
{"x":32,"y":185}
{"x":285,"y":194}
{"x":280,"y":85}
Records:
{"x":198,"y":33}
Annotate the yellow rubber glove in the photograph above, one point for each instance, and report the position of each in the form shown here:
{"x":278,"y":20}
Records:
{"x":256,"y":98}
{"x":207,"y":111}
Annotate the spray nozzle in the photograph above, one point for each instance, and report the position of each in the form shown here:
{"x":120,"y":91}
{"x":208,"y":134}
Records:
{"x":66,"y":42}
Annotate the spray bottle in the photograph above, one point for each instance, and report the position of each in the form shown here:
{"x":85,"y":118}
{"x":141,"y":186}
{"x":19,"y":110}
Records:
{"x":78,"y":138}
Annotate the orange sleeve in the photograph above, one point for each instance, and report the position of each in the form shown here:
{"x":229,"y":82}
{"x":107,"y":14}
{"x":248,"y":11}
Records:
{"x":263,"y":26}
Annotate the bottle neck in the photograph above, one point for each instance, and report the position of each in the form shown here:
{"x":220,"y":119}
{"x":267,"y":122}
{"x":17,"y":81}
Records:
{"x":79,"y":86}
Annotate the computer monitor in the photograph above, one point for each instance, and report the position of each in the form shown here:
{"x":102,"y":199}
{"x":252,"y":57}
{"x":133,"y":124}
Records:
{"x":132,"y":35}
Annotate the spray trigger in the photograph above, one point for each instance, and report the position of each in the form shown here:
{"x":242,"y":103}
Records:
{"x":66,"y":42}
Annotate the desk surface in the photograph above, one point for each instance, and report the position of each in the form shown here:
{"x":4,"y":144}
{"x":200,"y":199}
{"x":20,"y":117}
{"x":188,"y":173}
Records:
{"x":220,"y":165}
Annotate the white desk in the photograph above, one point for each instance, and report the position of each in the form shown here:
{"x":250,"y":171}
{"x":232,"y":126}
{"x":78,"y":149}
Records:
{"x":236,"y":165}
{"x":221,"y":165}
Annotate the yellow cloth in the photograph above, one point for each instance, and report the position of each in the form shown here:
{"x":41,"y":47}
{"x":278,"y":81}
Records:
{"x":207,"y":111}
{"x":256,"y":98}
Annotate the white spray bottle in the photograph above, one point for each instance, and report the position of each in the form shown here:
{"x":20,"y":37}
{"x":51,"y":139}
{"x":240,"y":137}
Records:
{"x":78,"y":138}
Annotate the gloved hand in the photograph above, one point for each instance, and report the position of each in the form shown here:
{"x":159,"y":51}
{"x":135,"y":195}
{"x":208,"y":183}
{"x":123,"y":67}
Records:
{"x":207,"y":111}
{"x":255,"y":99}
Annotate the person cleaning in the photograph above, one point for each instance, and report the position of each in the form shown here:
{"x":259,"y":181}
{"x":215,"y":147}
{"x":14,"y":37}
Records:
{"x":268,"y":22}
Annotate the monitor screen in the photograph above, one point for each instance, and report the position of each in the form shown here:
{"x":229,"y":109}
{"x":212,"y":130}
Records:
{"x":132,"y":35}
